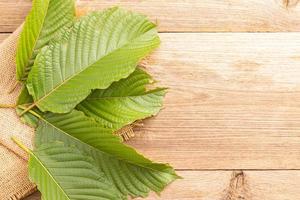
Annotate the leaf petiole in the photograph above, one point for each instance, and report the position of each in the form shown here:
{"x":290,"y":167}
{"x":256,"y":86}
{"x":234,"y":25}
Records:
{"x":13,"y":88}
{"x":7,"y":106}
{"x":21,"y":145}
{"x":30,"y":111}
{"x":27,"y":109}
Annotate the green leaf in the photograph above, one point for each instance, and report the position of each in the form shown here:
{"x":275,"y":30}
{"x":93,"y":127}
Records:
{"x":27,"y":118}
{"x":129,"y":171}
{"x":24,"y":97}
{"x":124,"y":101}
{"x":65,"y":173}
{"x":101,"y":48}
{"x":42,"y":23}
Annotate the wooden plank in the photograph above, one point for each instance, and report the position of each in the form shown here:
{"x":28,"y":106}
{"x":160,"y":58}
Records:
{"x":227,"y":185}
{"x":187,"y":15}
{"x":233,"y":101}
{"x":3,"y":36}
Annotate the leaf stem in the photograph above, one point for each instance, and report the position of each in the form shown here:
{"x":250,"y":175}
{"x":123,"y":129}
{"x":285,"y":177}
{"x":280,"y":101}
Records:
{"x":27,"y":109}
{"x":7,"y":106}
{"x":30,"y":111}
{"x":21,"y":145}
{"x":13,"y":87}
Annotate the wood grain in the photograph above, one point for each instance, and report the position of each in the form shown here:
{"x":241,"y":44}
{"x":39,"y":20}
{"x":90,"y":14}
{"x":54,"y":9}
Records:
{"x":187,"y":15}
{"x":233,"y":102}
{"x":3,"y":36}
{"x":227,"y":185}
{"x":234,"y":98}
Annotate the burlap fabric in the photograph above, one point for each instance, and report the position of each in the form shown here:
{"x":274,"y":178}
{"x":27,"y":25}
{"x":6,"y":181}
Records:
{"x":14,"y":182}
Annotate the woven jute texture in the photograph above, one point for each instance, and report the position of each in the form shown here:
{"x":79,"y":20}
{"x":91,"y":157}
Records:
{"x":14,"y":182}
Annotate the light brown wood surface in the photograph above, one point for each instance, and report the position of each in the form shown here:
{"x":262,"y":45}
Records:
{"x":225,"y":185}
{"x":187,"y":15}
{"x":233,"y":101}
{"x":234,"y":98}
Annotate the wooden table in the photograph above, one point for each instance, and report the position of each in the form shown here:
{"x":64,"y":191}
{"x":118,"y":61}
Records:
{"x":231,"y":123}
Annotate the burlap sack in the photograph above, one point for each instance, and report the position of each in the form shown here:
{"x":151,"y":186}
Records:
{"x":14,"y":182}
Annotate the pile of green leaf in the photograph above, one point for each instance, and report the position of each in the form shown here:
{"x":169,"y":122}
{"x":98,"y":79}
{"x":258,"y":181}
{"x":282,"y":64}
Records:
{"x":81,"y":85}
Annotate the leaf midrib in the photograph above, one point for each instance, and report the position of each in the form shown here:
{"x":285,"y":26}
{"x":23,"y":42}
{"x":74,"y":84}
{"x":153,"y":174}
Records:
{"x":54,"y":180}
{"x":38,"y":36}
{"x":76,"y":74}
{"x":134,"y":164}
{"x":124,"y":97}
